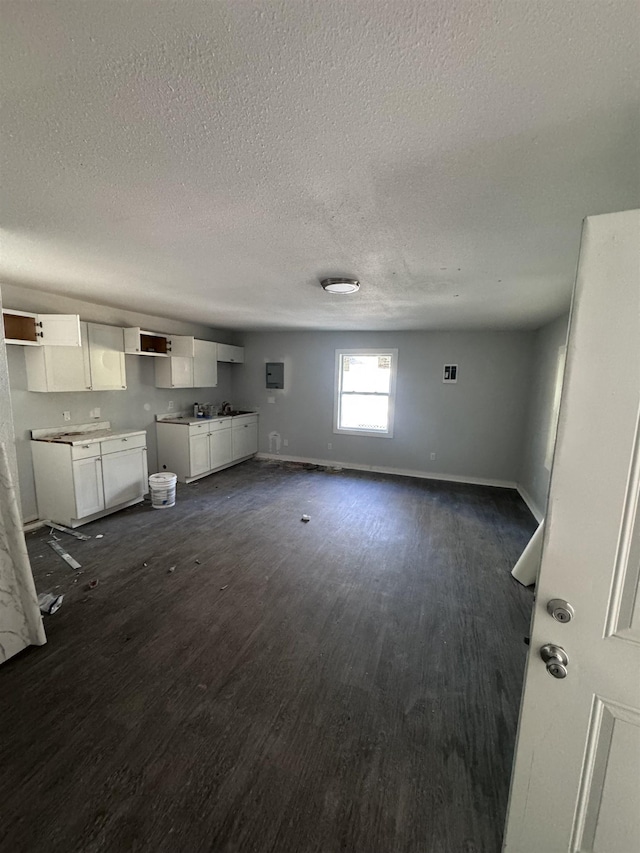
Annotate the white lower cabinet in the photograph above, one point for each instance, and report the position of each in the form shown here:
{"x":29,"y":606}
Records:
{"x":193,"y":450}
{"x":244,"y":437}
{"x":78,"y":483}
{"x":123,"y":473}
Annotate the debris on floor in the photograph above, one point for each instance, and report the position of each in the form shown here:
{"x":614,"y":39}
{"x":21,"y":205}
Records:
{"x":63,"y":529}
{"x":99,"y":535}
{"x":224,"y":587}
{"x":92,"y":584}
{"x":145,"y":565}
{"x":52,"y":543}
{"x":172,"y":569}
{"x":49,"y":602}
{"x":197,"y":562}
{"x":305,"y":518}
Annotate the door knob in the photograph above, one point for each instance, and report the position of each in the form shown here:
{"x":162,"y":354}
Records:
{"x":561,"y":610}
{"x":556,"y":660}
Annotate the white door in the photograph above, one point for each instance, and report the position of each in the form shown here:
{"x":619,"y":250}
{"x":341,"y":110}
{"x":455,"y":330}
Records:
{"x":87,"y":484}
{"x":220,"y":447}
{"x":124,"y":475}
{"x":576,"y":780}
{"x":106,"y":357}
{"x":199,"y":454}
{"x":205,"y":364}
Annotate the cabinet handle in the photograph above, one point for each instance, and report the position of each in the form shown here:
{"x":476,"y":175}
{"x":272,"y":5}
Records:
{"x":85,"y":446}
{"x":124,"y":439}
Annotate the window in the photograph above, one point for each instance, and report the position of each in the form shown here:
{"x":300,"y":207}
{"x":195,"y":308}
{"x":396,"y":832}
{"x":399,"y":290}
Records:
{"x":365,"y":391}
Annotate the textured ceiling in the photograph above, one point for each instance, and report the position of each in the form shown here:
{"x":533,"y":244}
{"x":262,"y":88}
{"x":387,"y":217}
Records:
{"x":211,"y":160}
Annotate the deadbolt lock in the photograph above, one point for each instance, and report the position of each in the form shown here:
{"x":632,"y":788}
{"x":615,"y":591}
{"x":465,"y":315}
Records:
{"x":561,"y":610}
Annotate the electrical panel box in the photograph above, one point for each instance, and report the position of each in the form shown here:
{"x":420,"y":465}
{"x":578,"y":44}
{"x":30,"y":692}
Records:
{"x":275,"y":374}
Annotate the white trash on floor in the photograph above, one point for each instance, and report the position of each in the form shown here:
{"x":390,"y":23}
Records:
{"x":163,"y":490}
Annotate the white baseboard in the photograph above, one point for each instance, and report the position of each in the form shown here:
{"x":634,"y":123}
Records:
{"x":533,"y":506}
{"x":29,"y":526}
{"x":383,"y":469}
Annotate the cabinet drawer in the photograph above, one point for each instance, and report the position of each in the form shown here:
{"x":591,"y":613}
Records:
{"x":127,"y":442}
{"x":244,"y":420}
{"x":199,"y":429}
{"x":84,"y":451}
{"x":223,"y":423}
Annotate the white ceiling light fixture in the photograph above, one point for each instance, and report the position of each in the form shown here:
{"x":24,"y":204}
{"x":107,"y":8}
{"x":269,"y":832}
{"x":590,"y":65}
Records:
{"x":340,"y":285}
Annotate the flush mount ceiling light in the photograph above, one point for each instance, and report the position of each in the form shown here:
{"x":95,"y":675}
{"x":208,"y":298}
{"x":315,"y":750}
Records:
{"x":340,"y":285}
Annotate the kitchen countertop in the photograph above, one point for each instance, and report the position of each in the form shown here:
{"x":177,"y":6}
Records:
{"x":83,"y":433}
{"x":188,"y":420}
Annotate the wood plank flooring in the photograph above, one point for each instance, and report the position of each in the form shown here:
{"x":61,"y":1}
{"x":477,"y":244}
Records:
{"x":349,"y":684}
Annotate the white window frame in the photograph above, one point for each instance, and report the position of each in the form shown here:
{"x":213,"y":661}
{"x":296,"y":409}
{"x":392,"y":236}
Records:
{"x":393,"y":353}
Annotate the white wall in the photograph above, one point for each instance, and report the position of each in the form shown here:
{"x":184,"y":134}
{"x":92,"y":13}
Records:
{"x":133,"y":408}
{"x":540,"y":428}
{"x":475,"y":427}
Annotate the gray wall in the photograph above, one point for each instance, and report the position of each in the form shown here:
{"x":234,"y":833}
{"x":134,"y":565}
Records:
{"x":133,"y":408}
{"x":540,"y":429}
{"x":475,"y":427}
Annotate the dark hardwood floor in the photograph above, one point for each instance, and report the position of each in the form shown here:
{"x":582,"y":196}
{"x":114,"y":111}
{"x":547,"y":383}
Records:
{"x":349,"y":684}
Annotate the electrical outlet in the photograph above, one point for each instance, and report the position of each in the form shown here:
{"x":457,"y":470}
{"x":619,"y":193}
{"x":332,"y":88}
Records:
{"x":432,"y":456}
{"x":285,"y":442}
{"x":66,"y":416}
{"x":329,"y":446}
{"x":94,"y":413}
{"x":170,"y":406}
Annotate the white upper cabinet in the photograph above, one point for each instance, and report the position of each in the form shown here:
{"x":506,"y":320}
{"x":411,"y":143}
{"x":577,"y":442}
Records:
{"x":98,"y":365}
{"x":200,"y":370}
{"x":37,"y":330}
{"x":205,"y":364}
{"x":105,"y":348}
{"x":227,"y":352}
{"x":174,"y":372}
{"x":139,"y":342}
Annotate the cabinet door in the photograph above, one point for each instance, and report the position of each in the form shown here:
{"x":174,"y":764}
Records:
{"x":87,"y":484}
{"x":56,"y":369}
{"x":182,"y":345}
{"x":199,"y":454}
{"x":227,"y":352}
{"x":245,"y":440}
{"x":205,"y":364}
{"x":220,"y":449}
{"x":106,"y":357}
{"x":181,"y":371}
{"x":58,"y":330}
{"x":124,"y":475}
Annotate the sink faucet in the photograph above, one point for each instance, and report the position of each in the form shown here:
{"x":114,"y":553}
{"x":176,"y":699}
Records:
{"x":225,"y":408}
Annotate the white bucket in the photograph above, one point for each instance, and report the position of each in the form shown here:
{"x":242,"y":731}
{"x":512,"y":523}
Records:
{"x":163,"y":490}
